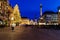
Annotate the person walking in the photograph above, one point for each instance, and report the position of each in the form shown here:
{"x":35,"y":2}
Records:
{"x":13,"y":26}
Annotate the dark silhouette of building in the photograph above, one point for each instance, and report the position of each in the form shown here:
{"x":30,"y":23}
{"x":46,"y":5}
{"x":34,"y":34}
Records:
{"x":50,"y":17}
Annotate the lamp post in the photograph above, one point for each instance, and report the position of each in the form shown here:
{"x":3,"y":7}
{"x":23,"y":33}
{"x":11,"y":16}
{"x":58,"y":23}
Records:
{"x":12,"y":19}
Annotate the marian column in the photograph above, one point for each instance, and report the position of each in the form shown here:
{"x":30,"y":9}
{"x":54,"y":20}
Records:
{"x":41,"y":16}
{"x":40,"y":10}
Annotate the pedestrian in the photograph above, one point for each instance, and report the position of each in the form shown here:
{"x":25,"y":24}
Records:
{"x":13,"y":26}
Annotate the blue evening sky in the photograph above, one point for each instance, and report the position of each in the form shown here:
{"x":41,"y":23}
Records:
{"x":31,"y":8}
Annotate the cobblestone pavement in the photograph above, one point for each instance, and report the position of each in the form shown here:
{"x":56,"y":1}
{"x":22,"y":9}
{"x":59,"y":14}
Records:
{"x":28,"y":33}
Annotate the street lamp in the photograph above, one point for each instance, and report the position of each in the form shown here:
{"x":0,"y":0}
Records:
{"x":59,"y":10}
{"x":12,"y":18}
